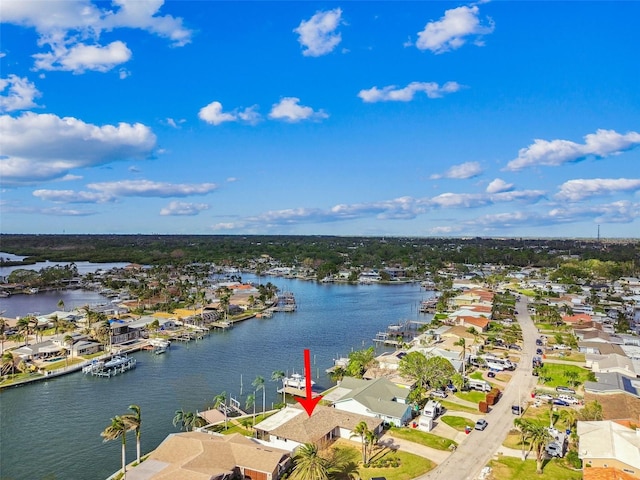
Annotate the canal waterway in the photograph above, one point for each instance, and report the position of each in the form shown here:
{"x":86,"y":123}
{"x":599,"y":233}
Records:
{"x":51,"y":429}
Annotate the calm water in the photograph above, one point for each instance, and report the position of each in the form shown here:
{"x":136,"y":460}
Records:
{"x":51,"y":430}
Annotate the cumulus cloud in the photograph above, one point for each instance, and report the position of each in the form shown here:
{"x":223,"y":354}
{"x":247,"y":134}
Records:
{"x":80,"y":58}
{"x":17,"y":93}
{"x":616,"y":212}
{"x":72,"y":30}
{"x":498,"y":185}
{"x":318,"y":35}
{"x":214,"y":115}
{"x":452,"y":30}
{"x":183,"y":208}
{"x":39,"y":147}
{"x":406,"y":94}
{"x":290,"y":110}
{"x":578,"y":189}
{"x":462,"y":171}
{"x":600,"y":144}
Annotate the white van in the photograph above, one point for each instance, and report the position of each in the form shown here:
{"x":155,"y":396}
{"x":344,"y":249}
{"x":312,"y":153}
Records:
{"x":569,"y":399}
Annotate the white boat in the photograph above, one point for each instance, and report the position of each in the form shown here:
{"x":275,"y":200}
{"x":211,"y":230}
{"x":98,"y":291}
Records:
{"x":159,"y":350}
{"x":296,"y":380}
{"x":116,"y":361}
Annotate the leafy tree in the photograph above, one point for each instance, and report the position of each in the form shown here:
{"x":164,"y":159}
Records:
{"x":414,"y":365}
{"x":360,"y":361}
{"x":591,"y":411}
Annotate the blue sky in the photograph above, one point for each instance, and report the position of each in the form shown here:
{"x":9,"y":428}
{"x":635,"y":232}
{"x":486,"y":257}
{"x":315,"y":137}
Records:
{"x":334,"y":118}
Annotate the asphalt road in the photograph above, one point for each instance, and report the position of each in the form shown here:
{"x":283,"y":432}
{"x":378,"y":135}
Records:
{"x":479,"y":447}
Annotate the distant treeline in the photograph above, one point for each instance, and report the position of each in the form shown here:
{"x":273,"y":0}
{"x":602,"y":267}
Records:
{"x":314,"y":251}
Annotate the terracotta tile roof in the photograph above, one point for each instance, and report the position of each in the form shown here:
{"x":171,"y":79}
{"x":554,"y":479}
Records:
{"x":200,"y":456}
{"x":598,"y":473}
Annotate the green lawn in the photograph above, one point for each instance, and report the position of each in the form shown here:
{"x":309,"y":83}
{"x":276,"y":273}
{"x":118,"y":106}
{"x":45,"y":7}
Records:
{"x":50,"y":366}
{"x":459,"y":423}
{"x":472,"y":396}
{"x":452,"y":406}
{"x":572,"y":357}
{"x":410,"y":466}
{"x":511,"y":468}
{"x":556,"y":372}
{"x":477,"y":375}
{"x":423,"y":438}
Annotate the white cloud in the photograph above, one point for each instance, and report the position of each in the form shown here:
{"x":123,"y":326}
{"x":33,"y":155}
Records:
{"x":290,"y":110}
{"x":69,"y":196}
{"x":318,"y":34}
{"x":183,"y":208}
{"x":45,"y":147}
{"x":148,"y":188}
{"x":144,"y":15}
{"x":72,"y":29}
{"x":462,"y":171}
{"x":20,"y":94}
{"x":250,"y":115}
{"x":498,"y":185}
{"x":615,"y":212}
{"x":214,"y":115}
{"x":80,"y":58}
{"x":406,"y":94}
{"x":557,"y":152}
{"x":578,"y":189}
{"x":450,"y":31}
{"x":123,"y":73}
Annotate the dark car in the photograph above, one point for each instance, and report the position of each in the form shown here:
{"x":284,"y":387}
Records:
{"x":538,"y":351}
{"x":562,"y":403}
{"x":491,"y":374}
{"x":539,"y":342}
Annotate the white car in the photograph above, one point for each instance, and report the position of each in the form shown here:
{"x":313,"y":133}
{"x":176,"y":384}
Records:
{"x":544,"y":396}
{"x":569,"y":399}
{"x":439,"y":393}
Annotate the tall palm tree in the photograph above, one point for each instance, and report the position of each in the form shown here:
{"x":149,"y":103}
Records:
{"x":462,"y":342}
{"x":361,"y":430}
{"x":56,"y":323}
{"x":3,"y":327}
{"x":68,"y":340}
{"x":221,"y":399}
{"x":523,"y":425}
{"x":61,"y":305}
{"x":118,"y":429}
{"x":539,"y":436}
{"x":181,"y":418}
{"x":258,"y":384}
{"x":278,"y":376}
{"x":7,"y":363}
{"x":251,"y":402}
{"x":309,"y":465}
{"x":134,"y":422}
{"x":24,"y":327}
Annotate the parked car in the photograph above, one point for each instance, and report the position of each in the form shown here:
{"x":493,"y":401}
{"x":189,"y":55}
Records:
{"x":481,"y":424}
{"x":544,"y":396}
{"x":452,"y":388}
{"x":439,"y":393}
{"x":569,"y":399}
{"x":515,"y":347}
{"x":562,"y":403}
{"x":562,"y":389}
{"x":491,"y":374}
{"x":516,"y":409}
{"x":539,"y":351}
{"x":539,"y":342}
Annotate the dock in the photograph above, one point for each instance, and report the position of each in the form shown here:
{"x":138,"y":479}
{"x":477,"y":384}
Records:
{"x":116,"y":365}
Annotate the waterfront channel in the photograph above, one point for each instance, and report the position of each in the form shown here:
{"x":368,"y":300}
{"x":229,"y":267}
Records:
{"x":51,"y":429}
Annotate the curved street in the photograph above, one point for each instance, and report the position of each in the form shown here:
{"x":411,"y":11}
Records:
{"x":467,"y":461}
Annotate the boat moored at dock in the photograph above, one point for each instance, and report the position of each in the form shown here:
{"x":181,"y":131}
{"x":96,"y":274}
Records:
{"x":117,"y":364}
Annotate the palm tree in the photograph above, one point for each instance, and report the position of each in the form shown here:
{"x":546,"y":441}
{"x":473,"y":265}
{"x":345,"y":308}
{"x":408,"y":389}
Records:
{"x":56,"y":323}
{"x":221,"y":399}
{"x":180,"y":417}
{"x":258,"y":384}
{"x":7,"y":363}
{"x":134,"y":422}
{"x":361,"y":430}
{"x":539,"y":436}
{"x":61,"y":305}
{"x":277,"y":376}
{"x":3,"y":327}
{"x":118,"y":429}
{"x":523,"y":426}
{"x":462,"y":342}
{"x":309,"y":465}
{"x":251,"y":402}
{"x":68,"y":340}
{"x":24,"y":327}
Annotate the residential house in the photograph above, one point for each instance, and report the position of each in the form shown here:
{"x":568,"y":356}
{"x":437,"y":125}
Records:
{"x":202,"y":456}
{"x":612,"y":362}
{"x":292,"y":426}
{"x":607,"y":444}
{"x":379,"y":398}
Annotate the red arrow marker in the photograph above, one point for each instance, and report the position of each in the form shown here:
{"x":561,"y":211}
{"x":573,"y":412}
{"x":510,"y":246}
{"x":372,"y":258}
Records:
{"x":308,"y":403}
